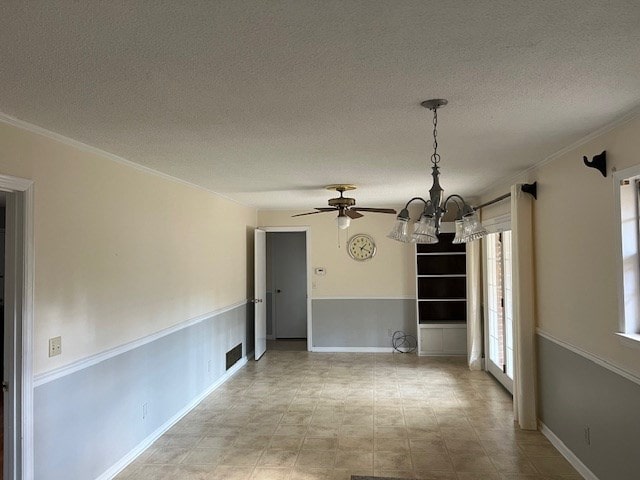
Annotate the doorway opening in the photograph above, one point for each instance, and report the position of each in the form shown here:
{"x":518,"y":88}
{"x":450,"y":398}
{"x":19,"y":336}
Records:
{"x":282,"y":289}
{"x":17,"y":315}
{"x":3,"y":217}
{"x":499,"y":307}
{"x":286,"y":290}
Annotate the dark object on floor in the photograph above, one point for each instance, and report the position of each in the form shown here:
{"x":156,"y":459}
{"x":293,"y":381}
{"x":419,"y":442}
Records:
{"x":367,"y":477}
{"x":404,"y":342}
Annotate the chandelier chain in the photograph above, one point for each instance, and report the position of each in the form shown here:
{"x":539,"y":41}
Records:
{"x":435,"y":158}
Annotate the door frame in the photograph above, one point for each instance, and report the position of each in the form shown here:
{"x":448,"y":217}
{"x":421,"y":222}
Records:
{"x":22,"y":445}
{"x":307,"y":238}
{"x":498,"y":374}
{"x":259,"y":291}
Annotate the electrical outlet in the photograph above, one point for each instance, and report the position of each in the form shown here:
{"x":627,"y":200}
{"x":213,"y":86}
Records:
{"x":389,"y":332}
{"x":145,"y":410}
{"x":587,"y":435}
{"x":55,"y":346}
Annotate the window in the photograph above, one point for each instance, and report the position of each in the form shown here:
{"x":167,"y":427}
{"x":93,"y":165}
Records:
{"x":627,"y":184}
{"x":498,"y":307}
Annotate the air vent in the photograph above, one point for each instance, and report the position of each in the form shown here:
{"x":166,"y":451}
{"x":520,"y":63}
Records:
{"x":234,"y":355}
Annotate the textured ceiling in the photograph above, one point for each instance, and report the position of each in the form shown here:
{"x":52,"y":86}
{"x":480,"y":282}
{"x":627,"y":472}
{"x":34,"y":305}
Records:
{"x":267,"y":101}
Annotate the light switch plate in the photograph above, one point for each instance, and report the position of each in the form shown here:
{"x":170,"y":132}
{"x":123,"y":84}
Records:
{"x":55,"y":346}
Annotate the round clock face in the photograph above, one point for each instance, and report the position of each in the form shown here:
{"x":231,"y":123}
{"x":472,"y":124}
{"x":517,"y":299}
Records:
{"x":361,"y":247}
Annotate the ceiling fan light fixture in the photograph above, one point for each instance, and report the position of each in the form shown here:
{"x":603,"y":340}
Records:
{"x":343,"y":221}
{"x":427,"y":229}
{"x":345,"y":206}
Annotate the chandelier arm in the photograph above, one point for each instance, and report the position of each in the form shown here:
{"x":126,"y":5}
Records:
{"x":466,"y":208}
{"x":426,"y":202}
{"x":463,"y":209}
{"x":454,"y":198}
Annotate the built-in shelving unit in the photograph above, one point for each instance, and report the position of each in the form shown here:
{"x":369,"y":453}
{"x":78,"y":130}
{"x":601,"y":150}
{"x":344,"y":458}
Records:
{"x":441,"y":293}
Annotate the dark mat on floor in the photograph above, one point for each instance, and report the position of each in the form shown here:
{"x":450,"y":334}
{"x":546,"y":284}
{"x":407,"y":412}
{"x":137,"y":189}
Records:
{"x":367,"y":477}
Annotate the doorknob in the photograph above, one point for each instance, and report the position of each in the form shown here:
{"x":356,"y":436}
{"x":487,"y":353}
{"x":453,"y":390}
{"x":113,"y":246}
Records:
{"x":278,"y":291}
{"x":5,"y":386}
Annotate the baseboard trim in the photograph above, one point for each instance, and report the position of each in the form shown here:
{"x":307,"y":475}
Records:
{"x":590,"y":356}
{"x":83,"y":363}
{"x":567,"y":453}
{"x":119,"y":466}
{"x":352,"y":349}
{"x":400,"y":297}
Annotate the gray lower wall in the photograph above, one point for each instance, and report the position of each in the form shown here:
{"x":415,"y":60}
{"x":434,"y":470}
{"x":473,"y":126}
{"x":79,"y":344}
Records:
{"x":574,"y":393}
{"x":361,"y":322}
{"x":87,"y":421}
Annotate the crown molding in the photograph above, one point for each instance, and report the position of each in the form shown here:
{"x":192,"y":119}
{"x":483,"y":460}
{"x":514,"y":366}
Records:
{"x":626,"y":118}
{"x":30,"y":127}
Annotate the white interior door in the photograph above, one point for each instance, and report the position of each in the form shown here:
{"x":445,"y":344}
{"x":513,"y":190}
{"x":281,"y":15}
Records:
{"x":260,"y":292}
{"x":498,"y":304}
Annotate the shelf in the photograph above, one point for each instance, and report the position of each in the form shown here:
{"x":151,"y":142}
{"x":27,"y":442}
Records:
{"x":444,"y":245}
{"x":442,"y":299}
{"x":442,"y":311}
{"x":452,"y":324}
{"x":440,"y":254}
{"x":441,"y":303}
{"x":444,"y":275}
{"x":442,"y":287}
{"x":441,"y":265}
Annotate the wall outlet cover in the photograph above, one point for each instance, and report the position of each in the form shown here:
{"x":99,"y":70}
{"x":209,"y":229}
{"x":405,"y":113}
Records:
{"x":55,"y":346}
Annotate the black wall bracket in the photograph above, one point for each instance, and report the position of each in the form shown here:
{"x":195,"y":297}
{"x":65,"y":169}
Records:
{"x":599,"y":162}
{"x":531,"y":189}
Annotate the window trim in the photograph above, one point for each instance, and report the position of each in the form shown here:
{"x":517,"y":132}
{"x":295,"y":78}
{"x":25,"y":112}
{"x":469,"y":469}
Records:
{"x":628,"y":325}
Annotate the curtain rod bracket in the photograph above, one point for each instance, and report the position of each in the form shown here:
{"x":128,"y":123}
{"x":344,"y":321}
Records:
{"x":531,"y":189}
{"x":599,"y":162}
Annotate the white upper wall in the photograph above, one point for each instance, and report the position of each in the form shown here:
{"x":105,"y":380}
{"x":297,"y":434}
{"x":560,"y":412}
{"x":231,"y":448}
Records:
{"x":576,"y":245}
{"x":389,"y":274}
{"x":121,"y":253}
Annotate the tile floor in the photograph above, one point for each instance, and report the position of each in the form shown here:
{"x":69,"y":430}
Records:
{"x":312,"y":416}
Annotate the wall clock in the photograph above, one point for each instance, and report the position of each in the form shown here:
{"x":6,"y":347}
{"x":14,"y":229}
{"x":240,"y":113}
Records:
{"x":361,"y":247}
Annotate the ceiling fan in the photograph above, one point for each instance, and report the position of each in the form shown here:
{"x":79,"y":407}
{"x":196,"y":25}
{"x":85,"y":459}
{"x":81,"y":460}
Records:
{"x":345,"y":206}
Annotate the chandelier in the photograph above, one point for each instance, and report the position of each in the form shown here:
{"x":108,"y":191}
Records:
{"x":467,"y":225}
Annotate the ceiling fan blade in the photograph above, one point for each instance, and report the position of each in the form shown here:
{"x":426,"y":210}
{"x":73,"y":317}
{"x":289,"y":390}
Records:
{"x":326,"y":209}
{"x":311,"y":213}
{"x":352,"y":214}
{"x":377,"y":210}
